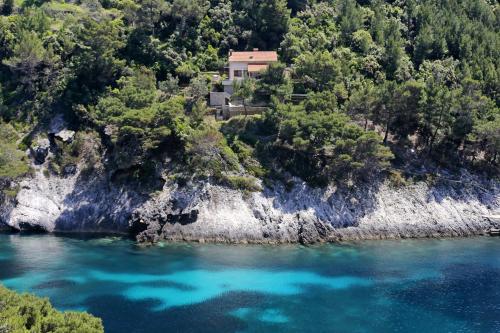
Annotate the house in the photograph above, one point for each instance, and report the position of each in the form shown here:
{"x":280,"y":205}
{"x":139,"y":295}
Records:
{"x":241,"y":65}
{"x":248,"y":64}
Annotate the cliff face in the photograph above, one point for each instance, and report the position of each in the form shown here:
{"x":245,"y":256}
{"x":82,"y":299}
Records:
{"x":211,"y":213}
{"x":72,"y":204}
{"x":206,"y":212}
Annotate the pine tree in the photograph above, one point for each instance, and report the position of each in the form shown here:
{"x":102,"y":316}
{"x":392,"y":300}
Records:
{"x":8,"y":7}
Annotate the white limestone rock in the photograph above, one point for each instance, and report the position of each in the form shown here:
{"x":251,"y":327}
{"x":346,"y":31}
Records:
{"x":206,"y":212}
{"x":65,"y":135}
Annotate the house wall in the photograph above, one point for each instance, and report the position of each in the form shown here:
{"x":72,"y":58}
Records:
{"x":218,"y":98}
{"x":228,"y":89}
{"x":236,"y":66}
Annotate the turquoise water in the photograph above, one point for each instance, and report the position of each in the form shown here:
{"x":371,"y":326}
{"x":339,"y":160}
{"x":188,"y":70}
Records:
{"x":385,"y":286}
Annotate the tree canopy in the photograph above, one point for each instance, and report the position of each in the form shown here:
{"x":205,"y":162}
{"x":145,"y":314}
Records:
{"x":359,"y":83}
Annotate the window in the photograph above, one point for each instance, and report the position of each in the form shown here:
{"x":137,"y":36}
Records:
{"x":240,"y":73}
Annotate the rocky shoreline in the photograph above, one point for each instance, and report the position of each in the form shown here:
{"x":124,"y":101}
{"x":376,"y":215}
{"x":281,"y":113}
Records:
{"x":308,"y":215}
{"x":204,"y":212}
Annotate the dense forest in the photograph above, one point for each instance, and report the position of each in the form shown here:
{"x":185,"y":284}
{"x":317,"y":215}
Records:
{"x":388,"y":85}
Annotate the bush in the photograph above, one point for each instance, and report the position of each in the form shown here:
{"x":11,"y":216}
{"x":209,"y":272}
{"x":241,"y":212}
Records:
{"x":13,"y":162}
{"x":397,"y":179}
{"x":208,"y":154}
{"x":242,"y":183}
{"x":28,"y":313}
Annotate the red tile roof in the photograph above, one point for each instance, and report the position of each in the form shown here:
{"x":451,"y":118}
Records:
{"x":254,"y":56}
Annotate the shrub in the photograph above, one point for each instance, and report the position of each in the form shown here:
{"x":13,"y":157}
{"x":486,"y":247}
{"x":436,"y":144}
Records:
{"x":28,"y":313}
{"x":208,"y":153}
{"x":13,"y":162}
{"x":242,"y":183}
{"x":245,"y":155}
{"x":11,"y":192}
{"x":397,"y":179}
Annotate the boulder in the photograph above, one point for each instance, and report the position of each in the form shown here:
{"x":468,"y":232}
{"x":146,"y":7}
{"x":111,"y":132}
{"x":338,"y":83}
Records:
{"x":41,"y":150}
{"x":65,"y":135}
{"x":69,"y":170}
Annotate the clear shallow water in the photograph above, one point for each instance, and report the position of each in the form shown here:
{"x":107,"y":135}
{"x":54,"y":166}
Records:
{"x":384,"y":286}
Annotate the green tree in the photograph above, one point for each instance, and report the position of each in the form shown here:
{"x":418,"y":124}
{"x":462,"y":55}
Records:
{"x":187,"y":12}
{"x":298,"y":5}
{"x":378,"y":22}
{"x":393,"y":49}
{"x":244,"y":90}
{"x":437,"y":107}
{"x":362,"y":41}
{"x":198,"y":88}
{"x":407,"y":114}
{"x":313,"y":29}
{"x":385,"y":110}
{"x":95,"y":63}
{"x":325,"y":101}
{"x":486,"y":138}
{"x":265,"y":22}
{"x":350,"y":19}
{"x":149,"y":13}
{"x":317,"y":71}
{"x":169,"y":87}
{"x":28,"y":55}
{"x":218,"y":28}
{"x":327,"y":147}
{"x":137,"y":120}
{"x":208,"y":154}
{"x":362,"y":104}
{"x":276,"y":82}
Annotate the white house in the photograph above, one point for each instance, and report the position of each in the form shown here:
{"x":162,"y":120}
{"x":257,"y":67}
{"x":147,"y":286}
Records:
{"x":249,"y":63}
{"x":242,"y":65}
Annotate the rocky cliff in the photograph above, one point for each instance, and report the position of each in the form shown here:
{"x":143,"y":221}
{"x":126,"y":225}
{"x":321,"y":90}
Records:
{"x":83,"y":195}
{"x":210,"y":213}
{"x":69,"y":204}
{"x":205,"y":212}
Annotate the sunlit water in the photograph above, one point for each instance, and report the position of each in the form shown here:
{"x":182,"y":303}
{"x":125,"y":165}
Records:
{"x":384,"y":286}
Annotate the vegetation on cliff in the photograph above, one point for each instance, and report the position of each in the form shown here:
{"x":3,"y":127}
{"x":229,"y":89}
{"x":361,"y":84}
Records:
{"x":385,"y":83}
{"x":13,"y":162}
{"x":28,"y":313}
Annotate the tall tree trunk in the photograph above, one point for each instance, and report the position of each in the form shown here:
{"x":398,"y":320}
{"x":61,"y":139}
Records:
{"x":434,"y":135}
{"x":387,"y":126}
{"x":461,"y":153}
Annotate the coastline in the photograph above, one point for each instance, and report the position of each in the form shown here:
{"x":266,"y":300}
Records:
{"x":202,"y":212}
{"x":347,"y":236}
{"x":340,"y":236}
